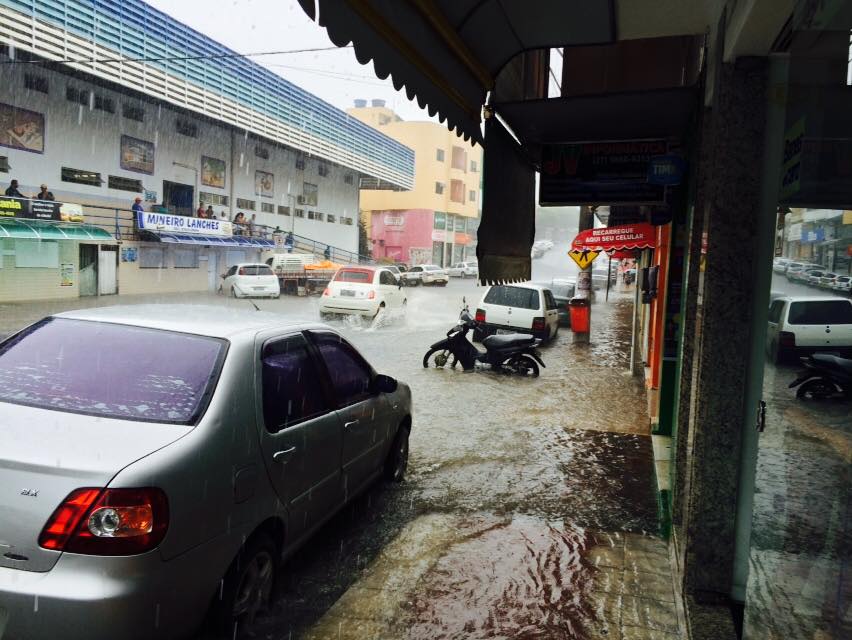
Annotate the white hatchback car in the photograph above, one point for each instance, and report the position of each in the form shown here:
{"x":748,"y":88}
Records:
{"x":250,"y":280}
{"x":426,"y":274}
{"x":463,"y":270}
{"x":362,"y":291}
{"x":804,"y":325}
{"x":519,"y":308}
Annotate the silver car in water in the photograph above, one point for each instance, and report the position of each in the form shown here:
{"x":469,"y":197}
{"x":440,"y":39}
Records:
{"x":159,"y":462}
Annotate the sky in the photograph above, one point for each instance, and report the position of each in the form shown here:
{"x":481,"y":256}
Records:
{"x":253,"y":26}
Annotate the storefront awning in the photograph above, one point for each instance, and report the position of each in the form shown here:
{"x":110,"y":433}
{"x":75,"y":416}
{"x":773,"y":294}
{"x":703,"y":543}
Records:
{"x":246,"y":242}
{"x":35,"y":230}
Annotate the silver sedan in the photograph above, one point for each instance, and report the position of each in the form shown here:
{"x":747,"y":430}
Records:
{"x":158,"y":463}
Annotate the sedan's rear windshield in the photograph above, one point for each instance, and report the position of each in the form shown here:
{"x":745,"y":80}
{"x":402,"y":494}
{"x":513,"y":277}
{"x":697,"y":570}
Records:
{"x":820,"y":312}
{"x":354,"y":275}
{"x":516,"y":297}
{"x":110,"y":370}
{"x":255,"y":270}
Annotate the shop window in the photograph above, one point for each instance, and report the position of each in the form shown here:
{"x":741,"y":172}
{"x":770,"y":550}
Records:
{"x":78,"y":96}
{"x":124,"y":184}
{"x":185,"y":258}
{"x":133,"y":113}
{"x":322,"y":169}
{"x":105,"y":104}
{"x":213,"y":198}
{"x":152,"y":258}
{"x":439,"y":188}
{"x":36,"y":83}
{"x":81,"y":176}
{"x":36,"y":254}
{"x":242,"y":203}
{"x":300,"y":163}
{"x":439,"y":156}
{"x":261,"y":152}
{"x":330,"y":218}
{"x":186,"y":128}
{"x":310,"y":194}
{"x":267,"y":207}
{"x":283,"y":211}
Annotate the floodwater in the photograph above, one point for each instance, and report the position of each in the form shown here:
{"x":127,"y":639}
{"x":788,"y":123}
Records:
{"x":529,"y":507}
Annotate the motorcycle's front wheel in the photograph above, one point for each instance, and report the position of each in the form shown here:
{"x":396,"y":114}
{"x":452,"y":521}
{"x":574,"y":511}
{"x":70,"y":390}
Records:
{"x":439,"y":359}
{"x":522,"y":365}
{"x":816,"y":389}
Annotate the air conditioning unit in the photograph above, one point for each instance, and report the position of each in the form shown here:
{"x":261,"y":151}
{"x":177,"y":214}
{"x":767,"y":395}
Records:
{"x":300,"y":199}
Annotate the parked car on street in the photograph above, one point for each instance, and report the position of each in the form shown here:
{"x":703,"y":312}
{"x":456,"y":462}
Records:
{"x":426,"y":274}
{"x":827,"y":280}
{"x":463,"y":270}
{"x":250,"y":280}
{"x":518,"y":308}
{"x":160,"y":461}
{"x":362,"y":291}
{"x":779,"y":265}
{"x":563,"y":291}
{"x":813,"y":276}
{"x":803,"y":325}
{"x":798,"y":272}
{"x":842,"y":284}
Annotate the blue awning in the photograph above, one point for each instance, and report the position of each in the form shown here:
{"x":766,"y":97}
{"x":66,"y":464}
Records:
{"x":247,"y":242}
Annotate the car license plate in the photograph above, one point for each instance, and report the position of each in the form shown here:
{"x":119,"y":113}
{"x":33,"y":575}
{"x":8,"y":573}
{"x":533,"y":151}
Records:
{"x":258,"y":288}
{"x":504,"y":331}
{"x":347,"y":292}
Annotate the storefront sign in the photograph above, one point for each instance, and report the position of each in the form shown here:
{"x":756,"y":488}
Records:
{"x":601,"y":173}
{"x":150,"y":221}
{"x":394,"y":221}
{"x":622,"y":237}
{"x":461,"y":238}
{"x":30,"y":209}
{"x":666,"y":170}
{"x":439,"y":235}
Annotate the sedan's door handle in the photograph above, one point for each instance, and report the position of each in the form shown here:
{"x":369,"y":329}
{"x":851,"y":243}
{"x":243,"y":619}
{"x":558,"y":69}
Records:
{"x":351,"y":423}
{"x":281,"y":456}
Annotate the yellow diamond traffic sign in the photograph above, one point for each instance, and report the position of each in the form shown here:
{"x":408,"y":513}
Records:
{"x":584,"y":258}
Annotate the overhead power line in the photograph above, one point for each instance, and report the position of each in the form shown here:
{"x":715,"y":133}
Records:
{"x":218,"y":56}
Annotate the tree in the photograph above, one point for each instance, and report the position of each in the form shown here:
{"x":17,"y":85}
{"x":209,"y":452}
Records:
{"x":364,"y":248}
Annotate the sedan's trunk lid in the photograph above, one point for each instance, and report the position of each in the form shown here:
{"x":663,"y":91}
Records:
{"x":47,"y":454}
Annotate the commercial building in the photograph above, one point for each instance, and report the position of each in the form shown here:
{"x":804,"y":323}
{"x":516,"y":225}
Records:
{"x":107,"y":101}
{"x":435,"y":221}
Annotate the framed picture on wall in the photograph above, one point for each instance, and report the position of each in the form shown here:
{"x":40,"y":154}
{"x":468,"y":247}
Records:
{"x":137,"y":155}
{"x":264,"y":184}
{"x":212,"y":172}
{"x":21,"y":129}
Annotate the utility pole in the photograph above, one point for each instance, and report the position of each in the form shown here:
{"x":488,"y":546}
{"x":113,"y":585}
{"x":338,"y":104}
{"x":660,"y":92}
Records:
{"x":584,"y":277}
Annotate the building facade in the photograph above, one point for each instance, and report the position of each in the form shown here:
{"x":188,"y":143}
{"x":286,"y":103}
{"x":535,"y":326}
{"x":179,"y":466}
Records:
{"x":435,"y":222}
{"x":111,"y":101}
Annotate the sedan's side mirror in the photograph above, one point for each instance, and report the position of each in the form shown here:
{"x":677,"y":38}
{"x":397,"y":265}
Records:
{"x":384,"y":384}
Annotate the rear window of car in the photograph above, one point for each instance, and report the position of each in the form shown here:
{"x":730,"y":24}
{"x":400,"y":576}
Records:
{"x":255,"y":270}
{"x":820,"y":312}
{"x":110,"y":370}
{"x":354,"y":275}
{"x":516,"y":297}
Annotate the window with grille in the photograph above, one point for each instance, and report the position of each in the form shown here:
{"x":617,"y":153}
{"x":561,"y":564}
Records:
{"x":124,"y":184}
{"x":267,"y":207}
{"x":300,"y":164}
{"x":314,"y":215}
{"x":102,"y":103}
{"x":186,"y":128}
{"x":242,"y":203}
{"x":439,"y":188}
{"x":299,"y":213}
{"x":349,"y":179}
{"x":133,"y":113}
{"x":81,"y":176}
{"x":36,"y":83}
{"x":185,"y":258}
{"x":322,"y":169}
{"x":283,"y":211}
{"x":213,"y":198}
{"x":78,"y":96}
{"x":4,"y":164}
{"x":331,"y":218}
{"x":261,"y":152}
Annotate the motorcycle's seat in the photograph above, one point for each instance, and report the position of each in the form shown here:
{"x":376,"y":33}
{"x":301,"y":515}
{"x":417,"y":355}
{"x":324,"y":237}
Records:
{"x":505,"y":340}
{"x":834,"y":362}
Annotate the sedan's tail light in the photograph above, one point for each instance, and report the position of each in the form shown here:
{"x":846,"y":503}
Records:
{"x":786,"y":339}
{"x":480,"y":315}
{"x":538,"y":324}
{"x":371,"y":295}
{"x":108,"y":522}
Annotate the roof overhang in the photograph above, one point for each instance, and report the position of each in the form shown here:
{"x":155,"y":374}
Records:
{"x":40,"y":230}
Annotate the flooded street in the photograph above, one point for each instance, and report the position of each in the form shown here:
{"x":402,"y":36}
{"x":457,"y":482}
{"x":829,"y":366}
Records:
{"x":529,"y":508}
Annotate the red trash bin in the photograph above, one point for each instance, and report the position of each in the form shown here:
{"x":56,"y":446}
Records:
{"x":579,"y":309}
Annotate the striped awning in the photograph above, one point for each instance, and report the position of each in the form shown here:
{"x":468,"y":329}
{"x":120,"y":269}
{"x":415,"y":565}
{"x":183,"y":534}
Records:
{"x":247,"y":242}
{"x":38,"y":230}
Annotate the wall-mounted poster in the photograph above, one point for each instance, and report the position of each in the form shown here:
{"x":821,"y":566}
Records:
{"x":21,"y":129}
{"x":264,"y":184}
{"x":137,"y":155}
{"x":66,"y":274}
{"x":212,"y":172}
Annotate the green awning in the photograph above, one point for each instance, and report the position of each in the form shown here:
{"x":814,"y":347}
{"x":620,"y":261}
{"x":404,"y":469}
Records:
{"x":38,"y":230}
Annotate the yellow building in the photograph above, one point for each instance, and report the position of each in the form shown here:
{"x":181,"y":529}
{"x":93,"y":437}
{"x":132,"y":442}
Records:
{"x":435,"y":222}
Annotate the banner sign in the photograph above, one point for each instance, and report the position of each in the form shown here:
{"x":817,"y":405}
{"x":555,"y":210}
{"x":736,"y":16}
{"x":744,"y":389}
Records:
{"x":30,"y":209}
{"x":150,"y":221}
{"x":620,"y":238}
{"x":601,"y":173}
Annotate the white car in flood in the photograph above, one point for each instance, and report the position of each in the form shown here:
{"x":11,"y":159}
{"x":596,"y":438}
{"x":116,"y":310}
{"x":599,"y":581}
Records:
{"x":250,"y":280}
{"x":362,"y":291}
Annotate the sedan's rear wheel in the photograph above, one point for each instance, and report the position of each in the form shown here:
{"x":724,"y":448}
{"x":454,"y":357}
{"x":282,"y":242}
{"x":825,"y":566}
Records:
{"x":397,"y":460}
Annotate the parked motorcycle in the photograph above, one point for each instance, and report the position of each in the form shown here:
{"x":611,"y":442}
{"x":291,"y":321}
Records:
{"x":514,"y":353}
{"x":825,"y":376}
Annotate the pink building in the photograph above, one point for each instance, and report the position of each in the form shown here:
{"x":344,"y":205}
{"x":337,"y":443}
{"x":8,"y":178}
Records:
{"x":419,"y":236}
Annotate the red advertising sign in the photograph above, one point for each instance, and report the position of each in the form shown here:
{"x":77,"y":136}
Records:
{"x":620,"y":238}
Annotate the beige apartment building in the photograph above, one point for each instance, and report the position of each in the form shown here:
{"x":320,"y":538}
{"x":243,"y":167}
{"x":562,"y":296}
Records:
{"x":436,"y":221}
